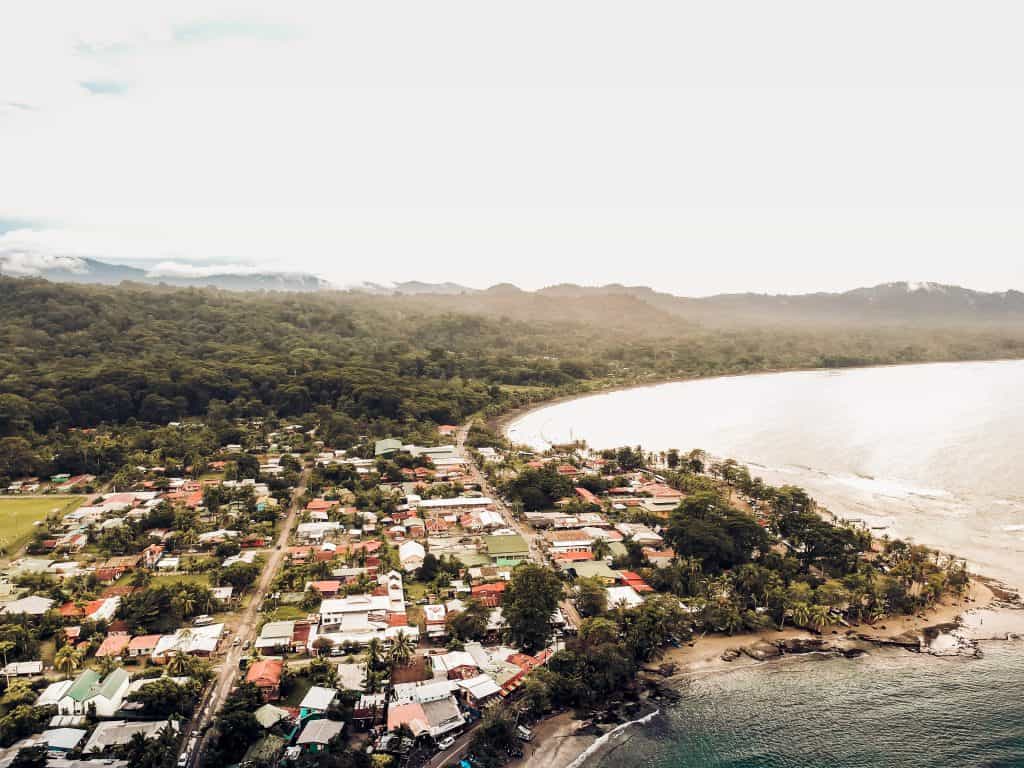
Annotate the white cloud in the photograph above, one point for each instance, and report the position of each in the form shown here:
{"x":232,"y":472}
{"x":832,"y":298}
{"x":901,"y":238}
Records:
{"x":696,"y":146}
{"x":23,"y":257}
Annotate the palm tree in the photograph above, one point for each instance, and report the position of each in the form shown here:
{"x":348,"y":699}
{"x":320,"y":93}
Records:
{"x":186,"y":603}
{"x":801,"y":613}
{"x":402,"y":649}
{"x":819,"y":617}
{"x":178,"y":665}
{"x":374,"y":653}
{"x":68,"y":659}
{"x":601,"y":549}
{"x":107,"y":664}
{"x":5,"y":647}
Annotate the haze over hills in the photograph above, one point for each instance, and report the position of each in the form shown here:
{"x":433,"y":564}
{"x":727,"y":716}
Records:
{"x":899,"y":302}
{"x":85,"y":270}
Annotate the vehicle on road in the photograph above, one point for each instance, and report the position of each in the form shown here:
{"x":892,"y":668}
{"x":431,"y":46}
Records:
{"x":446,"y":743}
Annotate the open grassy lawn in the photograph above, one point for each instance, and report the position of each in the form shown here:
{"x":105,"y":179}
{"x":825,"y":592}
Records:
{"x":300,"y":688}
{"x":17,"y":517}
{"x":201,"y":579}
{"x":287,"y":613}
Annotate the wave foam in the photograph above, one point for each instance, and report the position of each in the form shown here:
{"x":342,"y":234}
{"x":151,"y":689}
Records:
{"x":604,"y":739}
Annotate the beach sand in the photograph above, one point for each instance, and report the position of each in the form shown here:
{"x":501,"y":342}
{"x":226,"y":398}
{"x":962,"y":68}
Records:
{"x":555,"y":743}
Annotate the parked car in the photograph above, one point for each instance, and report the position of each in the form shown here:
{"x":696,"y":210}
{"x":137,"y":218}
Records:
{"x":446,"y":743}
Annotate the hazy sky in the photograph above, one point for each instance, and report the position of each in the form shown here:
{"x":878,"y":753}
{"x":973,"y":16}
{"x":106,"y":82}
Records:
{"x":697,"y":147}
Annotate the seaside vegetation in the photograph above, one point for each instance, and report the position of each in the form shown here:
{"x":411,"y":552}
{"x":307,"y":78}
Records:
{"x":779,"y":563}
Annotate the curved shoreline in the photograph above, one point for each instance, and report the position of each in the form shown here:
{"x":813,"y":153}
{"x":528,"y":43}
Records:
{"x":986,"y":596}
{"x":501,"y":422}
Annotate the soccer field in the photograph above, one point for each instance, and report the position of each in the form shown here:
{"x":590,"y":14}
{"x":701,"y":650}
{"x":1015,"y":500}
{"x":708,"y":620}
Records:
{"x":19,"y":515}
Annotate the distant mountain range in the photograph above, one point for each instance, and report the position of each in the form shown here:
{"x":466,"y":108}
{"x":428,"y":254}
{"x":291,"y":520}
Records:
{"x":84,"y":270}
{"x":901,"y":302}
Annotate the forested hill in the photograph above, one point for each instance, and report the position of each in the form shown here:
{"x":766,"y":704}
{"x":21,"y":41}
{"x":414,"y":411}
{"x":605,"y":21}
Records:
{"x":81,"y":356}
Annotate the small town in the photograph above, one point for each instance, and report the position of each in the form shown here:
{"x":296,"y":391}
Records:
{"x":283,"y":601}
{"x":281,"y":597}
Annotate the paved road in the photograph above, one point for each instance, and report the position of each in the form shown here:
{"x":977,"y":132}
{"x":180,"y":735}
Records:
{"x":246,"y":631}
{"x":572,"y":616}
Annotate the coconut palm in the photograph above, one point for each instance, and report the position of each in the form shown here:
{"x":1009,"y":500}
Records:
{"x":68,"y":659}
{"x":107,"y":664}
{"x":800,"y":613}
{"x":819,"y":617}
{"x":178,"y":665}
{"x":402,"y":649}
{"x":374,"y":653}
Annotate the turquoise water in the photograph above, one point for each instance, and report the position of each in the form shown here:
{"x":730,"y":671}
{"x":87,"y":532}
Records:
{"x":888,"y":709}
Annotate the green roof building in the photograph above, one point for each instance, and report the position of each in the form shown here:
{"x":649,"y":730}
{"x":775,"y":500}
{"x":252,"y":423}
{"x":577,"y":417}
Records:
{"x":507,"y":550}
{"x":89,"y":691}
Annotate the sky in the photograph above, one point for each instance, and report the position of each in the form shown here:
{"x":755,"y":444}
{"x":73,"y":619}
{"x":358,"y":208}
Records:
{"x":696,"y":147}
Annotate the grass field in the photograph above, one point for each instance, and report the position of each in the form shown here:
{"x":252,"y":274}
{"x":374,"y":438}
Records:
{"x":18,"y":516}
{"x":201,"y":579}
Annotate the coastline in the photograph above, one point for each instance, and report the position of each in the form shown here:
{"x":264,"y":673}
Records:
{"x":501,"y":422}
{"x":949,"y":628}
{"x":559,"y":743}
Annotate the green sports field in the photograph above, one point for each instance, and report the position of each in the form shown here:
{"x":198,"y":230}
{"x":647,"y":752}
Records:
{"x":19,"y":515}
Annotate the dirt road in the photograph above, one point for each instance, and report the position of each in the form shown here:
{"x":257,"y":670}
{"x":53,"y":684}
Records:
{"x":246,"y":632}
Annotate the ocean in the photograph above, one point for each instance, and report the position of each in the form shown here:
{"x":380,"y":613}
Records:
{"x":888,"y":709}
{"x":927,"y":452}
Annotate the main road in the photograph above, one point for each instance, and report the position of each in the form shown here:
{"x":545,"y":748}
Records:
{"x":246,"y":632}
{"x":569,"y":611}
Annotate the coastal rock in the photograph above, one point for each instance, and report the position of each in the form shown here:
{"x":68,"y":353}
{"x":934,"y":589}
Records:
{"x":909,"y":640}
{"x":803,"y":645}
{"x":731,"y":654}
{"x":761,"y":651}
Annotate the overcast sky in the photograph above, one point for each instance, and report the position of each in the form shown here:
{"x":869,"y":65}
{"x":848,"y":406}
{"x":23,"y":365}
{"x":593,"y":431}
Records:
{"x":696,"y":147}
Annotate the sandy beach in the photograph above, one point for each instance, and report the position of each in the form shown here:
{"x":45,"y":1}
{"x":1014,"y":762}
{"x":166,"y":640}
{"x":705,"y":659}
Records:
{"x":555,"y":743}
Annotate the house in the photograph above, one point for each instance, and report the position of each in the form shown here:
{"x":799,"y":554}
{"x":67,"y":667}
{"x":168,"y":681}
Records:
{"x":142,"y":645}
{"x":90,"y":692}
{"x":113,"y":645}
{"x":318,"y":734}
{"x":33,"y":605}
{"x":589,"y":569}
{"x":410,"y":555}
{"x":634,"y":580}
{"x":434,"y":620}
{"x":268,"y":715}
{"x":415,"y":528}
{"x":587,"y":497}
{"x":276,"y":636}
{"x":369,"y":709}
{"x":638,"y":533}
{"x":477,"y":691}
{"x":22,"y":669}
{"x":60,"y":741}
{"x":317,"y":701}
{"x":117,"y":733}
{"x":53,"y":693}
{"x":567,"y":541}
{"x":626,"y":596}
{"x":489,"y":594}
{"x":659,"y":558}
{"x":326,"y":588}
{"x":507,"y":550}
{"x":410,"y":715}
{"x":193,"y":641}
{"x":265,"y":674}
{"x":455,"y":665}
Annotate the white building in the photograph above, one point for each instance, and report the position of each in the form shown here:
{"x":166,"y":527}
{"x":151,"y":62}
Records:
{"x":410,"y":555}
